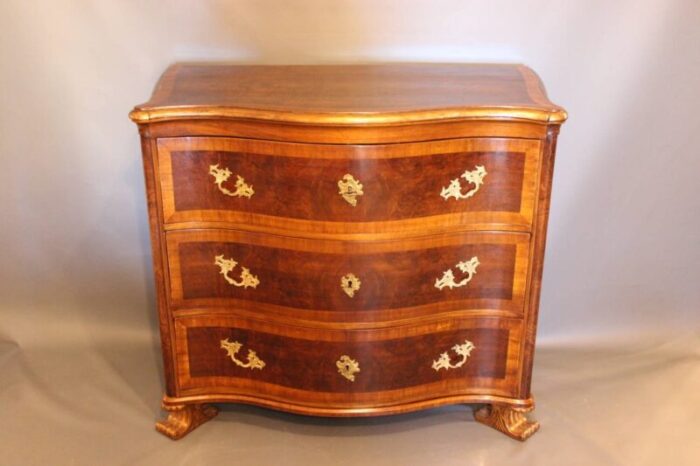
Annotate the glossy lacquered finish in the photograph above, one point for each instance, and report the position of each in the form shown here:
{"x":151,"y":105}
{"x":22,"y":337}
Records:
{"x":300,"y":363}
{"x":302,"y":277}
{"x":348,"y":240}
{"x":296,"y":185}
{"x":357,"y":95}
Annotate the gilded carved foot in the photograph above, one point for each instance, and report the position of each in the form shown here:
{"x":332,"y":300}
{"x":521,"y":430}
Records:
{"x":183,"y":419}
{"x":509,"y":420}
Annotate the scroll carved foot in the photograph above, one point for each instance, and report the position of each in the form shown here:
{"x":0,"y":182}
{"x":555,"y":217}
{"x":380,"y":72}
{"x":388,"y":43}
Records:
{"x":183,"y":419}
{"x":509,"y":420}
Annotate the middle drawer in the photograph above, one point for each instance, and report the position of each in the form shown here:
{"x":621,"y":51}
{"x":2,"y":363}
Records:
{"x":360,"y":281}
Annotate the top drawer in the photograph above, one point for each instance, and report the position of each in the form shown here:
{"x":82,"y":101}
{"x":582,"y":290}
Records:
{"x":349,"y":189}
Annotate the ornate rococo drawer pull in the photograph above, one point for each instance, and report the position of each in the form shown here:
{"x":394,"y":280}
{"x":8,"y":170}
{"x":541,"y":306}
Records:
{"x":464,"y":350}
{"x":350,"y":188}
{"x":232,"y":347}
{"x":350,"y":284}
{"x":227,"y":265}
{"x":347,"y":367}
{"x":221,"y":175}
{"x":448,"y":277}
{"x":474,"y":177}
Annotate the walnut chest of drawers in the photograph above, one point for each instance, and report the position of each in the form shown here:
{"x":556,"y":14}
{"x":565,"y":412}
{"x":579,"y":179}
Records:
{"x":348,"y":240}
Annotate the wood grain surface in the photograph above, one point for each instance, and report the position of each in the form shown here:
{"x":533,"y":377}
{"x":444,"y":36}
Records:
{"x":399,"y":132}
{"x":302,"y":278}
{"x":356,"y":94}
{"x":292,"y":132}
{"x":300,"y":362}
{"x":296,"y":185}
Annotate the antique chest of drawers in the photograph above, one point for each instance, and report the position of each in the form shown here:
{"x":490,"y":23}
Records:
{"x":348,"y":240}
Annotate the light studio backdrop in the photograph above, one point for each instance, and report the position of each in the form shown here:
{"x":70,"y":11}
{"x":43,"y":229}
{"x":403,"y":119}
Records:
{"x":617,"y":371}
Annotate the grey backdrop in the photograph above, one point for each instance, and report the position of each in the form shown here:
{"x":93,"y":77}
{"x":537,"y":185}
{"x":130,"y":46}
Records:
{"x":624,"y":245}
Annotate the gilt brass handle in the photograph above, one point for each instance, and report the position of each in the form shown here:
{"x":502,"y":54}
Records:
{"x":232,"y":348}
{"x":227,"y":265}
{"x":474,"y":177}
{"x":464,"y":350}
{"x":347,"y":367}
{"x":350,"y":189}
{"x":448,"y":277}
{"x":221,"y":175}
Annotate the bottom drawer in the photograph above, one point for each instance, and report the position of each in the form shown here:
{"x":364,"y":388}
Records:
{"x":335,"y":367}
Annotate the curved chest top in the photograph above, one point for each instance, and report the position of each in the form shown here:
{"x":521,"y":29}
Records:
{"x":377,"y":94}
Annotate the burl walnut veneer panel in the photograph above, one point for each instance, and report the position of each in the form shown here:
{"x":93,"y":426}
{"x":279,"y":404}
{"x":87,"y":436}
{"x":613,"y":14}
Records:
{"x":394,"y":278}
{"x":403,"y":185}
{"x":295,"y":362}
{"x":387,"y":362}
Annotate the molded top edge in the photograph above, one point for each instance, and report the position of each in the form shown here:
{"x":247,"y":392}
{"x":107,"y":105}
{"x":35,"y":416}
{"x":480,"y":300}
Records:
{"x":378,"y":94}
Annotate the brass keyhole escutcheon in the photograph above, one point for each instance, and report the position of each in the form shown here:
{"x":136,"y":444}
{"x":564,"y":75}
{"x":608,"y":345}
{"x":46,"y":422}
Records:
{"x":350,"y":284}
{"x":350,"y":189}
{"x":347,"y":367}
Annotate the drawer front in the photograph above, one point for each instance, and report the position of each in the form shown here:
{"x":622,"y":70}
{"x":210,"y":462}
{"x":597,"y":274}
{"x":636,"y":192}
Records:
{"x":485,"y":183}
{"x":229,"y":354}
{"x":349,"y":281}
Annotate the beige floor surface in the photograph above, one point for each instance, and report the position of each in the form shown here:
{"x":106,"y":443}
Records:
{"x":598,"y":405}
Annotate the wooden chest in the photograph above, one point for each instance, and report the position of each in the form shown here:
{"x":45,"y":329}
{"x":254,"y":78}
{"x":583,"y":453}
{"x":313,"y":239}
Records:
{"x":348,"y":240}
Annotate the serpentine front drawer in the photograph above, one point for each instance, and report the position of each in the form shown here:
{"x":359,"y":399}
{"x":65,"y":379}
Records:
{"x":470,"y":183}
{"x":349,"y":281}
{"x":357,"y":369}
